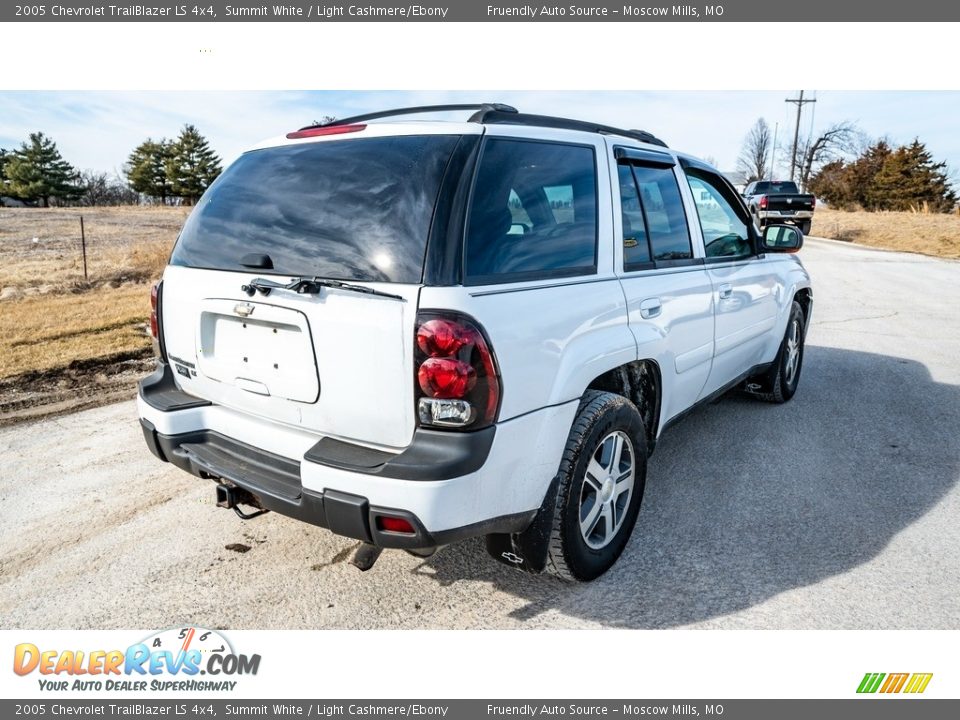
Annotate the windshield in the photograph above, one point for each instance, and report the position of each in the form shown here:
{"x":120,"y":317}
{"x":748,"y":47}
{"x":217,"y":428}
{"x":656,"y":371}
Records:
{"x":356,"y":209}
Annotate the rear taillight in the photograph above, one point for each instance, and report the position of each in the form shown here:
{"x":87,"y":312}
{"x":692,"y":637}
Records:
{"x":763,"y":202}
{"x":154,"y":321}
{"x":813,"y":203}
{"x":156,"y":330}
{"x":457,"y":382}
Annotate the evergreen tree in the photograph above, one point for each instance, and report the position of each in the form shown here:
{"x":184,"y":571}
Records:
{"x":883,"y":178}
{"x":832,"y":184}
{"x":192,"y":165}
{"x":910,"y":180}
{"x":4,"y":190}
{"x":862,"y":174}
{"x":37,"y":172}
{"x":146,"y":169}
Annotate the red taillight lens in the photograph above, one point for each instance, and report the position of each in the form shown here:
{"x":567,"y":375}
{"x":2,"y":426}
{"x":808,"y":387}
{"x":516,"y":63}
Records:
{"x":154,"y":321}
{"x":395,"y":524}
{"x":813,"y":204}
{"x":446,"y":378}
{"x":326,"y":130}
{"x":763,"y":203}
{"x":456,"y":372}
{"x":442,"y":338}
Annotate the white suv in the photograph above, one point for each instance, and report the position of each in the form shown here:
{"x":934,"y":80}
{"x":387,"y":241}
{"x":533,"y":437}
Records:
{"x":416,"y":332}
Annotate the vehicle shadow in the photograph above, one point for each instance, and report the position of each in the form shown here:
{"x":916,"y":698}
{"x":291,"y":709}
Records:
{"x":746,"y":500}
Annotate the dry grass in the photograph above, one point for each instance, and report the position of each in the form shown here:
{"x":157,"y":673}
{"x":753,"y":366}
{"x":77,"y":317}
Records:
{"x":48,"y":332}
{"x":926,"y":233}
{"x":51,"y":316}
{"x":40,"y":248}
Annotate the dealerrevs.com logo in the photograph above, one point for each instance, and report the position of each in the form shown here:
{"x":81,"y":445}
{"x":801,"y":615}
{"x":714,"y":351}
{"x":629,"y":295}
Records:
{"x":909,"y":683}
{"x":172,"y":659}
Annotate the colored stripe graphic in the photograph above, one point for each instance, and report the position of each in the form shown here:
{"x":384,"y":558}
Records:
{"x":894,"y":682}
{"x":918,"y":682}
{"x":870,"y":682}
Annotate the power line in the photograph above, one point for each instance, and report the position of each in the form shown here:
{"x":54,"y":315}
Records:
{"x":799,"y":102}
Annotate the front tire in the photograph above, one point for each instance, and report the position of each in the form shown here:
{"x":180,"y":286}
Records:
{"x":784,"y":377}
{"x":601,"y":481}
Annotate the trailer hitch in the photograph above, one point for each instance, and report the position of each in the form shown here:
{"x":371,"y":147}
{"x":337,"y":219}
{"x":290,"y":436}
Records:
{"x":231,"y":497}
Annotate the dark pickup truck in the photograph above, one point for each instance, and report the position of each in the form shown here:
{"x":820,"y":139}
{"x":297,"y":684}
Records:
{"x":775,"y":201}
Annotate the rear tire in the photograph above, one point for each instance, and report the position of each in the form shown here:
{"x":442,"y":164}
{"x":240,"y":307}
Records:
{"x":601,"y":480}
{"x":780,"y":383}
{"x":805,"y":227}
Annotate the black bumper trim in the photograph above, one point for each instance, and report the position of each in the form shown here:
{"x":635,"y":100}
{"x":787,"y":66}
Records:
{"x":209,"y":455}
{"x":160,"y":391}
{"x":223,"y":457}
{"x":433,"y":455}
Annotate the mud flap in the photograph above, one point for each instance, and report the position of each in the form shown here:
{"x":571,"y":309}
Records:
{"x":527,"y":551}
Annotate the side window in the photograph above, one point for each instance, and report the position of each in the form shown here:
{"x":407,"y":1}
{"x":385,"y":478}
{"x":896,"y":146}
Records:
{"x":725,"y":233}
{"x":533,"y":212}
{"x":636,"y":247}
{"x":663,"y":213}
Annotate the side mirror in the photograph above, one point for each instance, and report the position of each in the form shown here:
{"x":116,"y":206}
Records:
{"x":782,"y":238}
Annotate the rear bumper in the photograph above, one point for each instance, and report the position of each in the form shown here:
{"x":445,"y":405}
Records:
{"x":448,"y":486}
{"x":790,"y":216}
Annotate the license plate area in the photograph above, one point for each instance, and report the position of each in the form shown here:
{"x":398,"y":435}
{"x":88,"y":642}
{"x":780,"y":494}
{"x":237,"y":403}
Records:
{"x":266,"y":350}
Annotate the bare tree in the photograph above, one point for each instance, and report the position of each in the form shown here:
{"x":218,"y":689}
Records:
{"x":755,"y":153}
{"x":99,"y":188}
{"x":838,"y":140}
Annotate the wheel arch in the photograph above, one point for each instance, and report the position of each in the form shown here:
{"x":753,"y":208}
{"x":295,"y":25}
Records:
{"x":804,"y":296}
{"x":639,"y":381}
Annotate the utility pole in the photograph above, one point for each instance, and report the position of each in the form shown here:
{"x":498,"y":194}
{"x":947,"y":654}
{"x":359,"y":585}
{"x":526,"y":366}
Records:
{"x":799,"y":102}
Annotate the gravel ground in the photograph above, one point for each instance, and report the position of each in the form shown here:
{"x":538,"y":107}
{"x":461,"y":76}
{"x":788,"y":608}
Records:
{"x":840,"y":509}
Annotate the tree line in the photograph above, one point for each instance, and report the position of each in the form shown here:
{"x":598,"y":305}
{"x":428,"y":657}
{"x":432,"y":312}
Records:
{"x":845,"y":169}
{"x":165,"y":171}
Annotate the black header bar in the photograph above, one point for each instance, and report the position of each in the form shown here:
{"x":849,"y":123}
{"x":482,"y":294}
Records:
{"x":483,"y":11}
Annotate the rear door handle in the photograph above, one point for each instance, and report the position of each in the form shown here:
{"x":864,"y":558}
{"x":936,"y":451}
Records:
{"x":726,"y":290}
{"x":650,"y":308}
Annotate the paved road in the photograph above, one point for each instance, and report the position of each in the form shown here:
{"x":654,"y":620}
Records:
{"x":838,"y":510}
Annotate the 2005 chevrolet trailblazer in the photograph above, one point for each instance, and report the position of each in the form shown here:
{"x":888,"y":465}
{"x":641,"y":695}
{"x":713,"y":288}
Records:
{"x":416,"y":332}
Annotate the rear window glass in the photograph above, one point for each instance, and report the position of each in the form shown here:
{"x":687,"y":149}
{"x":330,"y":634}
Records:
{"x":346,"y":209}
{"x":533,"y":212}
{"x":776,"y":188}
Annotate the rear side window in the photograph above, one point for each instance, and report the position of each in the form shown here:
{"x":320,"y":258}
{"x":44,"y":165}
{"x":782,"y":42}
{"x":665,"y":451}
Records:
{"x":533,"y":212}
{"x":663,"y":212}
{"x":356,"y":209}
{"x":636,"y":247}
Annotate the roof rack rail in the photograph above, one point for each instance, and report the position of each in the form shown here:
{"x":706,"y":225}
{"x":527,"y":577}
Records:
{"x":479,"y":107}
{"x":500,"y":114}
{"x":493,"y":117}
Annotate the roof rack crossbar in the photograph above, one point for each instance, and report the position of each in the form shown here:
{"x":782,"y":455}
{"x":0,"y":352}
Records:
{"x":479,"y":107}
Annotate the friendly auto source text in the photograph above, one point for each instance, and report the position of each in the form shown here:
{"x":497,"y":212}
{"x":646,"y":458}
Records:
{"x":588,"y":11}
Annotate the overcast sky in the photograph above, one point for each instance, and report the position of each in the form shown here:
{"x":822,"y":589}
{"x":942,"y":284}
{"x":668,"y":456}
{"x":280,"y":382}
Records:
{"x":97,"y":130}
